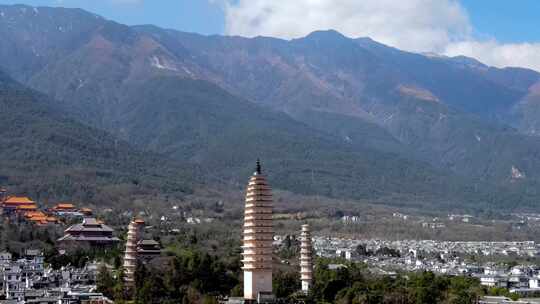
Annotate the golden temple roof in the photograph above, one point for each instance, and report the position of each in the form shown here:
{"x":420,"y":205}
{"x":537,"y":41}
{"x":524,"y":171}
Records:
{"x":18,"y":200}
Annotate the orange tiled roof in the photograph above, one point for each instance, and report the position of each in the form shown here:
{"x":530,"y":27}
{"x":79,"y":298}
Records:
{"x":32,"y":214}
{"x":139,"y":221}
{"x":38,"y":219}
{"x":27,"y":207}
{"x":64,"y":206}
{"x":18,"y":200}
{"x":86,"y":210}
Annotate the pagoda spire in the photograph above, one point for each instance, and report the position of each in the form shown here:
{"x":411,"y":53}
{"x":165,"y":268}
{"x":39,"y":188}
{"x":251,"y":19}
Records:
{"x":258,"y":169}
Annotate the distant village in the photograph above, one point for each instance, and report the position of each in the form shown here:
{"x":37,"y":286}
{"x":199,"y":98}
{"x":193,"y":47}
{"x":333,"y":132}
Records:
{"x":389,"y":257}
{"x":26,"y":279}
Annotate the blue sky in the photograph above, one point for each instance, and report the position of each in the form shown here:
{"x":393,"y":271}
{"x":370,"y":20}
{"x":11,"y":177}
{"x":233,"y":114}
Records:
{"x":199,"y":16}
{"x":498,"y":32}
{"x":506,"y":20}
{"x":502,"y":19}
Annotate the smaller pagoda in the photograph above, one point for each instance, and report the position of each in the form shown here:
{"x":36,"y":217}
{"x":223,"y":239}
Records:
{"x":306,"y":259}
{"x":130,"y":257}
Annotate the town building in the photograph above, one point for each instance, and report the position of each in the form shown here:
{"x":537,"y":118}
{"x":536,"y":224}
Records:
{"x":258,"y":238}
{"x":26,"y":280}
{"x":88,"y":233}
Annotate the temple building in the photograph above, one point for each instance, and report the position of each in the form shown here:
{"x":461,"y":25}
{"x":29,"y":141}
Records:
{"x":66,"y":210}
{"x":65,"y":207}
{"x":19,"y":204}
{"x":257,"y":241}
{"x":130,"y":256}
{"x":89,"y":233}
{"x":306,"y":259}
{"x":148,"y":250}
{"x":39,"y":218}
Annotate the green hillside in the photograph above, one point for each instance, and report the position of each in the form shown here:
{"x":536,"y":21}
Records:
{"x":197,"y":122}
{"x":47,"y":155}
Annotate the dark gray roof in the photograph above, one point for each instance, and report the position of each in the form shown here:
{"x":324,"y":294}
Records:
{"x":82,"y":238}
{"x":148,"y":243}
{"x":90,"y":224}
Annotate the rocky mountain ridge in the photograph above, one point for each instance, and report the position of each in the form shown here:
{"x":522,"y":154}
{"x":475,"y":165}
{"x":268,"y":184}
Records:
{"x":340,"y":98}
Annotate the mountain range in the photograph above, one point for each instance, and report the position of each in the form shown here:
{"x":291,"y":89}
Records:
{"x":329,"y":115}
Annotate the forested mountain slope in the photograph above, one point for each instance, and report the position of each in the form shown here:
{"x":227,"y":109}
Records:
{"x":332,"y":115}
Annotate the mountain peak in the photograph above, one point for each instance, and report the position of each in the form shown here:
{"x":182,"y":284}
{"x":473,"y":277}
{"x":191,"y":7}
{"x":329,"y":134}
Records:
{"x":326,"y":35}
{"x":467,"y":61}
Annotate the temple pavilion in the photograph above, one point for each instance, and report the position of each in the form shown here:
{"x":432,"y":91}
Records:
{"x":90,"y":232}
{"x":19,"y":204}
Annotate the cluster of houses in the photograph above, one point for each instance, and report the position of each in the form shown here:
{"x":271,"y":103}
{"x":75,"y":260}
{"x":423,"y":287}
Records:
{"x":442,"y":257}
{"x":524,"y":280}
{"x":27,"y":280}
{"x":328,"y":246}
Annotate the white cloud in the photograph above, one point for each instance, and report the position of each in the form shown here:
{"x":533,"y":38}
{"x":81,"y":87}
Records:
{"x":415,"y":25}
{"x":497,"y":54}
{"x":440,"y":26}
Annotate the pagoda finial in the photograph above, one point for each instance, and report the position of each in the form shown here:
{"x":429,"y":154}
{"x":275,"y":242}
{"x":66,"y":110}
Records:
{"x":258,"y":170}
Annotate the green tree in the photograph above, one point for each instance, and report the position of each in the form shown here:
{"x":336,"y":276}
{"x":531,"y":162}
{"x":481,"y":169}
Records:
{"x":285,"y":283}
{"x":105,"y":282}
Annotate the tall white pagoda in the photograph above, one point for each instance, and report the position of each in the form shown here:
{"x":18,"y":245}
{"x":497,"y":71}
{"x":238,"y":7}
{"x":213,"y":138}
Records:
{"x":306,"y":259}
{"x":258,"y":238}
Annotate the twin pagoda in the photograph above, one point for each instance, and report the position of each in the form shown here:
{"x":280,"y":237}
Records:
{"x":257,"y":244}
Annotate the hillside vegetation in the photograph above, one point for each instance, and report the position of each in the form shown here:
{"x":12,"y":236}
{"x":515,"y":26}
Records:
{"x":48,"y":155}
